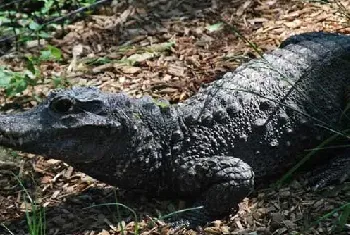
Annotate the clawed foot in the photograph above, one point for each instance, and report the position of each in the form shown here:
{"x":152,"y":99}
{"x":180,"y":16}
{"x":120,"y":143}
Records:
{"x":337,"y":171}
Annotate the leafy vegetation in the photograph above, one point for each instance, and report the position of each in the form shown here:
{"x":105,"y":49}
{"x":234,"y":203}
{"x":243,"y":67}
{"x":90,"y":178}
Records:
{"x":16,"y":82}
{"x":33,"y":20}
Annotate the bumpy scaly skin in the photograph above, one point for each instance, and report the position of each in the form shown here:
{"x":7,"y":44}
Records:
{"x":273,"y":108}
{"x":256,"y":119}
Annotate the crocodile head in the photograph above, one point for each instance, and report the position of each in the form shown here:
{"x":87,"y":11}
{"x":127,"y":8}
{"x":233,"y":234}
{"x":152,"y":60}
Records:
{"x":79,"y":125}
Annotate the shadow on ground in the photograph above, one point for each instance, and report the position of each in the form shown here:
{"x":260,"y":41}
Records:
{"x":84,"y":212}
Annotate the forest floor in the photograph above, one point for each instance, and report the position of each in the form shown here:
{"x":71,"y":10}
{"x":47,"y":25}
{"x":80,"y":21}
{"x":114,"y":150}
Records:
{"x":165,"y":48}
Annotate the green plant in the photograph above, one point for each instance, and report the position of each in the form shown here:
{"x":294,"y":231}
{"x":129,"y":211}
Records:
{"x":41,"y":18}
{"x":60,"y":82}
{"x":35,"y":214}
{"x":16,"y":82}
{"x":340,"y":221}
{"x":51,"y":53}
{"x":177,"y":212}
{"x":308,"y":156}
{"x":36,"y":219}
{"x":117,"y":204}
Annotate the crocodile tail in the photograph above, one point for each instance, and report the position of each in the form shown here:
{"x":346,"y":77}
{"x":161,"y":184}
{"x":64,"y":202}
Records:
{"x":310,"y":36}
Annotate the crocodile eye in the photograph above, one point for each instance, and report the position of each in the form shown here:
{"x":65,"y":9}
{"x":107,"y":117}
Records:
{"x":62,"y":105}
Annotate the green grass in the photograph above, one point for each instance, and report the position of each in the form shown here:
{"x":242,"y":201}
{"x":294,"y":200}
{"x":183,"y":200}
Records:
{"x":340,"y":216}
{"x":123,"y":206}
{"x":136,"y":218}
{"x":34,"y":213}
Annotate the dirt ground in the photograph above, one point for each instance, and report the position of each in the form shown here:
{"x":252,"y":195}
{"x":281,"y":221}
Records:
{"x":163,"y":48}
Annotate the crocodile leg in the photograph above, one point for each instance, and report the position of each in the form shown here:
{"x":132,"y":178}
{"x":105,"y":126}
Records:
{"x":227,"y":181}
{"x":337,"y":170}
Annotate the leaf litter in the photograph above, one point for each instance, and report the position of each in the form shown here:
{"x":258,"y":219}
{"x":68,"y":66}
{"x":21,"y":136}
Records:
{"x":163,"y":49}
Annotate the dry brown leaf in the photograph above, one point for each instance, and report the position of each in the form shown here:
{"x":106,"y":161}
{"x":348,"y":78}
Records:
{"x":104,"y":232}
{"x":243,"y":7}
{"x":176,"y":70}
{"x":122,"y":32}
{"x":130,"y":69}
{"x":142,"y":57}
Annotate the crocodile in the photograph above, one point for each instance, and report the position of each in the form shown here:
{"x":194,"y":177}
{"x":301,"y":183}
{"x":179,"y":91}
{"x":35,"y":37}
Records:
{"x":237,"y":132}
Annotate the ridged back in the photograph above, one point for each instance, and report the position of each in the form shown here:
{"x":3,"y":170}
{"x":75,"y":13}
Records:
{"x":278,"y":105}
